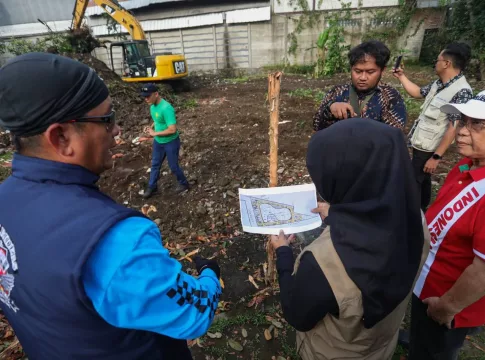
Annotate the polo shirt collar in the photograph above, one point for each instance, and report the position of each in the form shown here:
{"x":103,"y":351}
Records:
{"x":476,"y":174}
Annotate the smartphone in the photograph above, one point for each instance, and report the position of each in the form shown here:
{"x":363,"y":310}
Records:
{"x":398,"y":62}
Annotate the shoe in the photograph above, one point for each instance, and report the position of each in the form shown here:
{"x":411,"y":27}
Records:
{"x":149,"y":192}
{"x":179,"y":189}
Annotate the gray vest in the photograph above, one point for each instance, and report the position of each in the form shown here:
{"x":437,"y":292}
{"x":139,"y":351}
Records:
{"x":432,"y":123}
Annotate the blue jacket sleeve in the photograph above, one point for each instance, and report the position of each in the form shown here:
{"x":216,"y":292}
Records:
{"x":134,"y":283}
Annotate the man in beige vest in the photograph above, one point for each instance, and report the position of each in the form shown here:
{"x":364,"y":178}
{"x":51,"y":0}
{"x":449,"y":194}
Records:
{"x":348,"y":291}
{"x":434,"y":131}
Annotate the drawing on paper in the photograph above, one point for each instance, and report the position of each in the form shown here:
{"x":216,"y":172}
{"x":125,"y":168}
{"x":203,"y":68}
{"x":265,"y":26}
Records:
{"x":271,"y":213}
{"x":269,"y":210}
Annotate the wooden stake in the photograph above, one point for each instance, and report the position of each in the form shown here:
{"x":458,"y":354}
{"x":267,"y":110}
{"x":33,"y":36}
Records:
{"x":274,"y":84}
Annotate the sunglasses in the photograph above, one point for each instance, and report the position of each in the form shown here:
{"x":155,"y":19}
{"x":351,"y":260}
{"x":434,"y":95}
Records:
{"x":108,"y":119}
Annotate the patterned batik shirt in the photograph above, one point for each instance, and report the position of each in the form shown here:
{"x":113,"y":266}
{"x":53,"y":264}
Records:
{"x":386,"y":105}
{"x":461,"y":97}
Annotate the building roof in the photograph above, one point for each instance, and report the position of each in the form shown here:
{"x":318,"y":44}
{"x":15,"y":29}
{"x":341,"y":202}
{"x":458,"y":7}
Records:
{"x":93,"y":9}
{"x":13,"y":12}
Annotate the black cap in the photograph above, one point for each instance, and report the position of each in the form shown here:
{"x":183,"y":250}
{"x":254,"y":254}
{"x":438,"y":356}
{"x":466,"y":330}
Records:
{"x":40,"y":89}
{"x":148,"y":89}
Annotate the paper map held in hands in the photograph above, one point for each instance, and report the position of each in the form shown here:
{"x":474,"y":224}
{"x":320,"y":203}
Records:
{"x":287,"y":208}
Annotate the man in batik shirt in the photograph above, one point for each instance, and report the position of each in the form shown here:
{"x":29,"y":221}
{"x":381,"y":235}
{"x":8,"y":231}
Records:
{"x":365,"y":96}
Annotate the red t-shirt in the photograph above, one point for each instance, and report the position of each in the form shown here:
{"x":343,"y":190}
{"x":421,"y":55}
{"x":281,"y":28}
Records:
{"x":456,"y":221}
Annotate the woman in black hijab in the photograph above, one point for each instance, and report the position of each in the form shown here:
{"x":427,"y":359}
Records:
{"x":348,"y":292}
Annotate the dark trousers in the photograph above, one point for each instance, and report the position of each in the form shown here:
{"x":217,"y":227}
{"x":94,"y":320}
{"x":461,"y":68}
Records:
{"x":430,"y":341}
{"x":170,"y":151}
{"x":423,"y":179}
{"x":173,"y":349}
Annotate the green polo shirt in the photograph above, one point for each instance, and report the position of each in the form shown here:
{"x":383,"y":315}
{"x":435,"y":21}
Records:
{"x":163,"y":114}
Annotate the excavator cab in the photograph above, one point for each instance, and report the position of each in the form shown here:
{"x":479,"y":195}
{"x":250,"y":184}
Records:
{"x":137,"y":60}
{"x":139,"y":65}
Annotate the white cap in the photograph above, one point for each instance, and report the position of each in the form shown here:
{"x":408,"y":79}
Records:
{"x":474,"y":108}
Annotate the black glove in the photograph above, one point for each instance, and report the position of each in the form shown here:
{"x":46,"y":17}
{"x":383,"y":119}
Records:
{"x":201,"y":264}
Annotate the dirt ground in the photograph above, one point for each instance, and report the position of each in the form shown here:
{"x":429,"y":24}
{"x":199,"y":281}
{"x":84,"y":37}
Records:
{"x":224,"y":127}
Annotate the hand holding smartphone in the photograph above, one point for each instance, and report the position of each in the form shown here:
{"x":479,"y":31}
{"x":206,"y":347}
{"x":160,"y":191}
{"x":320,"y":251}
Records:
{"x":398,"y":63}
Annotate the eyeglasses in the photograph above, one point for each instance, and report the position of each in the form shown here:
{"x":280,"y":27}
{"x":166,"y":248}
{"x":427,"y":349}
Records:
{"x":108,"y":119}
{"x":474,"y":125}
{"x":437,"y":61}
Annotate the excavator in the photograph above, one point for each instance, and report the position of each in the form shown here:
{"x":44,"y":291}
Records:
{"x":139,"y":65}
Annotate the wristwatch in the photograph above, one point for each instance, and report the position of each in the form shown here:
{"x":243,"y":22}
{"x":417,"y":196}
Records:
{"x":437,"y":156}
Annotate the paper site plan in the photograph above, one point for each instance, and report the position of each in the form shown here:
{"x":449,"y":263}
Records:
{"x":287,"y":208}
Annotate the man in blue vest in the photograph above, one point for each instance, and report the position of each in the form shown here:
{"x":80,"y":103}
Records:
{"x":81,"y":276}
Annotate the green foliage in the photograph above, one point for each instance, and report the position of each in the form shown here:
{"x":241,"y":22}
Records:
{"x":391,"y":24}
{"x":253,"y":318}
{"x":335,"y":59}
{"x":22,"y":46}
{"x":77,"y":41}
{"x":54,"y":42}
{"x":190,"y":104}
{"x":113,"y":27}
{"x":465,"y":24}
{"x":239,"y":80}
{"x":316,"y":94}
{"x":291,"y":69}
{"x":302,"y":93}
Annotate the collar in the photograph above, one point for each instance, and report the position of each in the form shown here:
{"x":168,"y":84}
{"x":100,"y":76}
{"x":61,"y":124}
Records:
{"x":449,"y":82}
{"x":41,"y":170}
{"x":361,"y":94}
{"x":476,"y":174}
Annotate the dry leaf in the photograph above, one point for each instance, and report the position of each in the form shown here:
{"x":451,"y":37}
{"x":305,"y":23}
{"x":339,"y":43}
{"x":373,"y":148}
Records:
{"x":187,"y":257}
{"x":244,"y":333}
{"x":199,"y":342}
{"x":235,"y":345}
{"x":267,"y":335}
{"x":147,"y":209}
{"x":256,"y":301}
{"x":251,"y":280}
{"x":117,"y":156}
{"x":275,"y":333}
{"x":277,"y":324}
{"x":191,"y":343}
{"x":216,"y":335}
{"x":221,"y":282}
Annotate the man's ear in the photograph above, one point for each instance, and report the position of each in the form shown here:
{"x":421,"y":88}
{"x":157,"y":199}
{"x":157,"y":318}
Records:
{"x":59,"y":138}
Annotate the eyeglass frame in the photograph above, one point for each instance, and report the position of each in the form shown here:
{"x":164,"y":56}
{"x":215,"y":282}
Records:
{"x":469,"y":124}
{"x":108,"y":119}
{"x":438,"y":60}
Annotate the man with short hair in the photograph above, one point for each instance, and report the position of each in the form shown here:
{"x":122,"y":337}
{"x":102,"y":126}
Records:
{"x":434,"y":130}
{"x":365,"y":96}
{"x":166,"y":141}
{"x":81,"y":276}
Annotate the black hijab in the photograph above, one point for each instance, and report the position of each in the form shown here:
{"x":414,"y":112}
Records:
{"x":362,"y":168}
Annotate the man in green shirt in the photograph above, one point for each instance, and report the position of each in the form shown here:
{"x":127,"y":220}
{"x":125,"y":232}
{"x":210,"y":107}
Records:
{"x":166,"y":141}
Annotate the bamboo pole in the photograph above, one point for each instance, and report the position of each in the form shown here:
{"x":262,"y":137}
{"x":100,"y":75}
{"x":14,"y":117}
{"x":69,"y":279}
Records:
{"x":274,"y":84}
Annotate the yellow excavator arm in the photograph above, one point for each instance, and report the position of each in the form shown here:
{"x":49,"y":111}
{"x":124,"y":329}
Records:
{"x":115,"y":10}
